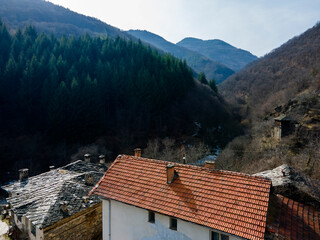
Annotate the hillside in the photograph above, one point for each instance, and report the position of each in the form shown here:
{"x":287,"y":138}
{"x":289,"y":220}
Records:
{"x":59,"y":94}
{"x":219,"y":51}
{"x":276,"y":78}
{"x":278,"y":98}
{"x":51,"y":18}
{"x":198,"y":62}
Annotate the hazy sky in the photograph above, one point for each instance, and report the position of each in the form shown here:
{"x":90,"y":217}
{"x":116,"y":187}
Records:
{"x":254,"y":25}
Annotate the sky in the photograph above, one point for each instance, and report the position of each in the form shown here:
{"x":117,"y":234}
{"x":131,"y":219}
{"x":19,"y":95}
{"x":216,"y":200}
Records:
{"x":258,"y":26}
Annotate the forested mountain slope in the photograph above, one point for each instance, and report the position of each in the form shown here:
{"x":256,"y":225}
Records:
{"x":219,"y":51}
{"x":51,"y":18}
{"x":57,"y":94}
{"x":200,"y":63}
{"x":276,"y":78}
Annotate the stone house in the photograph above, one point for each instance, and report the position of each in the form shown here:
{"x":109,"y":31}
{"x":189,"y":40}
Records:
{"x":284,"y":126}
{"x":151,"y":199}
{"x":55,"y":204}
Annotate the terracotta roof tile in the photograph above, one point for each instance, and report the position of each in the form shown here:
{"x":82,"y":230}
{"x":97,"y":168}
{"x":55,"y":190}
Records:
{"x":227,"y":201}
{"x":295,"y":220}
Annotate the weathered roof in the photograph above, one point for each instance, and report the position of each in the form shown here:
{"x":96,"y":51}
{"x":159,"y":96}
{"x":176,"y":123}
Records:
{"x":295,"y":220}
{"x":39,"y":197}
{"x":284,"y":118}
{"x":230,"y":202}
{"x":293,"y":184}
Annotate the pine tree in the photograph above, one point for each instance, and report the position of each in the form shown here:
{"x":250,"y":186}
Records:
{"x":202,"y":78}
{"x":213,"y":85}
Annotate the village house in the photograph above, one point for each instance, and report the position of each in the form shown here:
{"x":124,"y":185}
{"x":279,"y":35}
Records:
{"x":55,"y":204}
{"x":151,"y":199}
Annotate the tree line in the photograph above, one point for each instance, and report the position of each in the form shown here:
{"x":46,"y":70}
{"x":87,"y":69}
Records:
{"x":77,"y":88}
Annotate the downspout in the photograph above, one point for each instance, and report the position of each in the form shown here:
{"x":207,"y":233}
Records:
{"x":109,"y":219}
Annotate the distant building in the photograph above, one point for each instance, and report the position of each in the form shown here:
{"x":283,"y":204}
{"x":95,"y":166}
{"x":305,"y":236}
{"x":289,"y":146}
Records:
{"x":151,"y":199}
{"x":55,"y":204}
{"x":284,"y":126}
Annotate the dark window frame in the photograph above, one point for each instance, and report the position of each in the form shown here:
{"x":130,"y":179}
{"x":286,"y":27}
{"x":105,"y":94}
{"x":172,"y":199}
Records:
{"x":151,"y":217}
{"x":220,"y":236}
{"x":173,"y":224}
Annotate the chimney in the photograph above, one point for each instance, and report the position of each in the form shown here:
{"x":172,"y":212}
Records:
{"x":171,"y":173}
{"x":87,"y":157}
{"x":137,"y":152}
{"x":209,"y":164}
{"x":102,"y":159}
{"x":184,"y":160}
{"x":23,"y":174}
{"x":51,"y":168}
{"x":89,"y":179}
{"x":64,"y":206}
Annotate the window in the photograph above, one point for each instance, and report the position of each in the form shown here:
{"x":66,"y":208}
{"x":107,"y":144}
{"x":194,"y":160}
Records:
{"x":19,"y":218}
{"x":151,"y":217}
{"x":218,"y":236}
{"x":173,"y":224}
{"x":224,"y":237}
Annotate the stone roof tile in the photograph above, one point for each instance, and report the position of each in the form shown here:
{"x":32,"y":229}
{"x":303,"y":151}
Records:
{"x":39,"y":197}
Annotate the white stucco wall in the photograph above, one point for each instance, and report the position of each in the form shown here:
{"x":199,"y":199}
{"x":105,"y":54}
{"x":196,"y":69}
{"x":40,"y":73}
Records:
{"x":131,"y":223}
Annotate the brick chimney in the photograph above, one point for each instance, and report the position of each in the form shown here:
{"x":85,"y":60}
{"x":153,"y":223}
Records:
{"x":89,"y":179}
{"x":23,"y":174}
{"x":87,"y":157}
{"x":137,"y":152}
{"x":209,"y":164}
{"x":171,"y":173}
{"x":102,"y":159}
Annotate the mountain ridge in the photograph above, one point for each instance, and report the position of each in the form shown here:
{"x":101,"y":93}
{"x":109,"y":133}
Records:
{"x":220,"y":51}
{"x":285,"y":72}
{"x":197,"y":61}
{"x":50,"y":18}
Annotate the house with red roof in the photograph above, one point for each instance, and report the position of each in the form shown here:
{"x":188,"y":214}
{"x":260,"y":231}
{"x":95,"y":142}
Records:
{"x":151,"y":199}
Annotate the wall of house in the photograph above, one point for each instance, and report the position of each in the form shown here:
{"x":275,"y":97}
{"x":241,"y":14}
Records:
{"x":25,"y":227}
{"x":131,"y":223}
{"x":86,"y":224}
{"x":277,"y":132}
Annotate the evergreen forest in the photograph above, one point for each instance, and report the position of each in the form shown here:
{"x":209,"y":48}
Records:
{"x":69,"y":91}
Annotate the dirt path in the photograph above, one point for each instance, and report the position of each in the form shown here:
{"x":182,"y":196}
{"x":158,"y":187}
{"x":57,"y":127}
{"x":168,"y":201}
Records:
{"x":3,"y":229}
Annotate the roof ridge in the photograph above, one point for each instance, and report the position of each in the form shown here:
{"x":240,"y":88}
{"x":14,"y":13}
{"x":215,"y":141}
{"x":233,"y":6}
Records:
{"x":194,"y":167}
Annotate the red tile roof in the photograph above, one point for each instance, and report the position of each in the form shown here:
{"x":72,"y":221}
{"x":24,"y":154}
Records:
{"x":296,"y":221}
{"x":231,"y":202}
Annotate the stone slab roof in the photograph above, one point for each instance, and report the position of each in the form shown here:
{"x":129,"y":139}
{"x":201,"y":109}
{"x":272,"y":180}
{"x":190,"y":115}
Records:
{"x":230,"y":202}
{"x":291,"y":183}
{"x":284,"y":118}
{"x":39,"y":197}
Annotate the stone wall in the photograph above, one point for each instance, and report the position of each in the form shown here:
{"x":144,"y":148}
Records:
{"x":84,"y":225}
